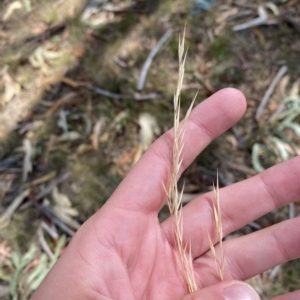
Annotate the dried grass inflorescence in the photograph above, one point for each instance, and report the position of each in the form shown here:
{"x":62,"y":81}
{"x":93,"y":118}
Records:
{"x":175,"y":197}
{"x":218,"y":221}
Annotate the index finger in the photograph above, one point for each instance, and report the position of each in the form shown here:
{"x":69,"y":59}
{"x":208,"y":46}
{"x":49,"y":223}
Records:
{"x":142,"y":189}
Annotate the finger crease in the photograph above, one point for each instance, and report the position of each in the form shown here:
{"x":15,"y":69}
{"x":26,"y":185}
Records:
{"x":281,"y":247}
{"x":270,"y":191}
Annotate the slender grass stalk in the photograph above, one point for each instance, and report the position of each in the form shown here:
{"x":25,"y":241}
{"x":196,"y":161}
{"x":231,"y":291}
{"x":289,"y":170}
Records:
{"x":175,"y":197}
{"x":218,"y":221}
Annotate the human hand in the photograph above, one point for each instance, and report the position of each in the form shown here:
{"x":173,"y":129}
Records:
{"x":123,"y":252}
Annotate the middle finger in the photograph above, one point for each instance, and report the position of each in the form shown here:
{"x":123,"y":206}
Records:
{"x":240,"y":204}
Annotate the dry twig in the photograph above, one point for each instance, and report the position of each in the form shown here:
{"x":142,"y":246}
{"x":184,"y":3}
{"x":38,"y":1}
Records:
{"x":48,"y":212}
{"x":218,"y":221}
{"x":44,"y":244}
{"x":269,"y":91}
{"x":150,"y":58}
{"x":262,"y":20}
{"x":7,"y":215}
{"x":63,"y":177}
{"x":102,"y":92}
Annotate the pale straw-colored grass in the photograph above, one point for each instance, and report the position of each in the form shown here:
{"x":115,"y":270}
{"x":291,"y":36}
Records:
{"x":219,"y":261}
{"x":175,"y":197}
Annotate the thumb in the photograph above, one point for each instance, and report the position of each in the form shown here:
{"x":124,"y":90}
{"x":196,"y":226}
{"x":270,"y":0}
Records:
{"x":230,"y":290}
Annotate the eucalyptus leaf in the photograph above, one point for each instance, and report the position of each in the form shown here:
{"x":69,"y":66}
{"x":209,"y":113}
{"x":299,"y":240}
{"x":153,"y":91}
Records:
{"x":39,"y":273}
{"x":28,"y":5}
{"x":295,"y":127}
{"x":281,"y":146}
{"x":38,"y":279}
{"x":29,"y":255}
{"x":62,"y":121}
{"x":256,"y":149}
{"x":273,"y":7}
{"x":16,"y":258}
{"x":5,"y":277}
{"x":61,"y":243}
{"x":20,"y":263}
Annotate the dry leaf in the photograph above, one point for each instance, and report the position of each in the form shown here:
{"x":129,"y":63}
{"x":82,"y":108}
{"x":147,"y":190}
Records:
{"x":262,"y":11}
{"x":27,"y":162}
{"x":5,"y":183}
{"x":63,"y":209}
{"x":259,"y":35}
{"x":12,"y":88}
{"x":127,"y":158}
{"x":61,"y":199}
{"x":66,"y":99}
{"x":148,"y":129}
{"x":283,"y":85}
{"x":223,"y":16}
{"x":42,"y":56}
{"x":104,"y":137}
{"x":96,"y":134}
{"x":62,"y":120}
{"x":273,"y":7}
{"x":37,"y":60}
{"x":42,"y":179}
{"x":119,"y":120}
{"x":8,"y":213}
{"x":69,"y":136}
{"x":5,"y":252}
{"x":10,"y":10}
{"x":295,"y":89}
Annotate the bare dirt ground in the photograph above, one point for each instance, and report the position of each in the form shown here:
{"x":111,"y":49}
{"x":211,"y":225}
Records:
{"x":73,"y":122}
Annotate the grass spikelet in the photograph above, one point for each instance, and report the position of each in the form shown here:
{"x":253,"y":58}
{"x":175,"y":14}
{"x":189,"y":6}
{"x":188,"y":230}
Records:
{"x":218,"y":221}
{"x":175,"y":197}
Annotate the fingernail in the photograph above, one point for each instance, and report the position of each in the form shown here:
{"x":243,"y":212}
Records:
{"x":240,"y":291}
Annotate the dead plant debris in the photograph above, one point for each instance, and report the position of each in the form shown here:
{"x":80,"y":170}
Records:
{"x":73,"y":121}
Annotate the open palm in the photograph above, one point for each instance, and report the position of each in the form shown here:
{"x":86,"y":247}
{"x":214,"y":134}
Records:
{"x":123,"y":252}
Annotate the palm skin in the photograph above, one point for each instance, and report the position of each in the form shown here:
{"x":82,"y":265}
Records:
{"x":123,"y":252}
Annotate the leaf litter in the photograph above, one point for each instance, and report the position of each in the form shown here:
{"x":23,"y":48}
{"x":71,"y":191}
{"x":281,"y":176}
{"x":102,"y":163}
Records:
{"x":102,"y":126}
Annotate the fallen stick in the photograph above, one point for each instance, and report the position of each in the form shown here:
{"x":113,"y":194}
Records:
{"x":269,"y":91}
{"x":104,"y":92}
{"x":49,"y":213}
{"x":48,"y":189}
{"x":52,"y":185}
{"x":263,"y":20}
{"x":43,"y":243}
{"x":149,"y":59}
{"x":7,"y":215}
{"x":50,"y":230}
{"x":120,"y":96}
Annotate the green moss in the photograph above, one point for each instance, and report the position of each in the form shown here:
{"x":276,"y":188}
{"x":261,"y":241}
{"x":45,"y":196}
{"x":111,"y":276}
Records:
{"x":50,"y":14}
{"x":95,"y":185}
{"x":173,"y":46}
{"x":227,"y":75}
{"x":111,"y":31}
{"x":290,"y":279}
{"x":220,"y":48}
{"x":65,"y":60}
{"x":21,"y":230}
{"x":57,"y":160}
{"x":166,"y":7}
{"x":76,"y":30}
{"x":8,"y":143}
